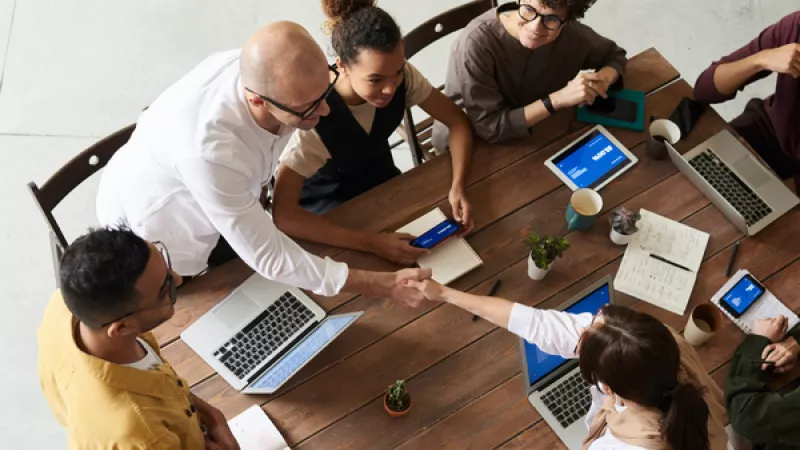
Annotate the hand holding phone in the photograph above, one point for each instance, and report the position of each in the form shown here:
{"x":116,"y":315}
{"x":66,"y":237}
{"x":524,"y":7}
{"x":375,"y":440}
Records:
{"x":438,"y":234}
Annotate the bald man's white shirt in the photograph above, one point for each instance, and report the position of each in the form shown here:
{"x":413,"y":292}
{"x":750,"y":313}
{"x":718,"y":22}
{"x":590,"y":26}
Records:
{"x":194,"y":169}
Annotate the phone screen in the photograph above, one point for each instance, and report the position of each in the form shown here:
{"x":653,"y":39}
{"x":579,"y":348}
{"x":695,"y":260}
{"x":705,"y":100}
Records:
{"x":616,"y":108}
{"x":437,"y":234}
{"x":742,"y":296}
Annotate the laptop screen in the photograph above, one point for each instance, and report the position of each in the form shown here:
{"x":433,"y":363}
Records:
{"x":298,"y":356}
{"x":541,"y":364}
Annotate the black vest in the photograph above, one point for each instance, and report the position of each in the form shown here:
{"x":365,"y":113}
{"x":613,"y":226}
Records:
{"x":359,"y":161}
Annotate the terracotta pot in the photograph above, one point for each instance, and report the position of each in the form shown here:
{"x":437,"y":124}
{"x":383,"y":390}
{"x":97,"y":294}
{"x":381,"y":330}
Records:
{"x":536,"y":272}
{"x":394,"y":413}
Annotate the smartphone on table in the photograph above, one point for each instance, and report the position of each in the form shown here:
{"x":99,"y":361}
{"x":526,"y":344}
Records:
{"x":744,"y":294}
{"x":615,"y":108}
{"x":438,"y":234}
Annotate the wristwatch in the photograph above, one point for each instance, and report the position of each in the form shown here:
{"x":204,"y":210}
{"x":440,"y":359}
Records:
{"x":548,"y":105}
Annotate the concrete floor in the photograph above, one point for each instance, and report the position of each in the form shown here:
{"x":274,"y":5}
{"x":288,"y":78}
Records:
{"x":74,"y":71}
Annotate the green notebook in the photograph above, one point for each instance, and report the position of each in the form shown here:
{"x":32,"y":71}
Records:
{"x":637,"y":97}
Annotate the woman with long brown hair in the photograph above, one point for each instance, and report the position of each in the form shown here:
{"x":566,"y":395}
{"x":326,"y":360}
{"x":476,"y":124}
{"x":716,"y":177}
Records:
{"x":650,"y":389}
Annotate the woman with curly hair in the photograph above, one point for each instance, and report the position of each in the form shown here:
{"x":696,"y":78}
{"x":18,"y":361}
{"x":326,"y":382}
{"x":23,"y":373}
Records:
{"x":348,"y":152}
{"x":521,"y":62}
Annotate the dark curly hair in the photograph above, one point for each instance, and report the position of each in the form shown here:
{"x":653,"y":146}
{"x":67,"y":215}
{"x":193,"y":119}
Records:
{"x":576,"y":9}
{"x":357,"y":25}
{"x":99,"y":273}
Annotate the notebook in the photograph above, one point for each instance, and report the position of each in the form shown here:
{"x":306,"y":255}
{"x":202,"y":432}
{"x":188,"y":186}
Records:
{"x":587,"y":116}
{"x":448,"y":261}
{"x":766,"y":306}
{"x":661,"y":262}
{"x":254,"y":431}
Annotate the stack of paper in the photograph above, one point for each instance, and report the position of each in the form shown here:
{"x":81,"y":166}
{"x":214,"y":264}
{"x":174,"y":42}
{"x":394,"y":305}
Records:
{"x":451,"y":259}
{"x":661,"y":262}
{"x":254,"y":431}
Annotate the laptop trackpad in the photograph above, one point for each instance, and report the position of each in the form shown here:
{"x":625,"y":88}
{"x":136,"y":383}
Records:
{"x":235,"y":312}
{"x":752,"y":172}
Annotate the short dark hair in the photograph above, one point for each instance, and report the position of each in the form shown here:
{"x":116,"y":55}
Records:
{"x":99,"y":273}
{"x":637,"y":357}
{"x":357,"y":25}
{"x":576,"y":9}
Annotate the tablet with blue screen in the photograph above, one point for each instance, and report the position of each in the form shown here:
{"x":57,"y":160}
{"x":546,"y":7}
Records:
{"x":591,"y":161}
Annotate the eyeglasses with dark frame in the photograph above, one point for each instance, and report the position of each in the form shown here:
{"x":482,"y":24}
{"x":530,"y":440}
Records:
{"x":169,"y":284}
{"x":310,"y":110}
{"x":550,"y":21}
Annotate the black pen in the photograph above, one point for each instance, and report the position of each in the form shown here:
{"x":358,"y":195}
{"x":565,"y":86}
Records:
{"x":669,"y":262}
{"x":733,"y":259}
{"x":492,"y":291}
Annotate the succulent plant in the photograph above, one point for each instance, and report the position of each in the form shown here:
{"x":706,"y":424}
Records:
{"x":623,"y":220}
{"x":545,"y":249}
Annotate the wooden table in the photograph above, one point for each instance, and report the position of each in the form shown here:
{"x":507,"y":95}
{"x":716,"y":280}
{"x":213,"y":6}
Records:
{"x":464,"y":376}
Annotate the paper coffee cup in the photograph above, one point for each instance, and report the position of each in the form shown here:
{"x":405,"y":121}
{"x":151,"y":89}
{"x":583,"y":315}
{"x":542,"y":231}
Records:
{"x":704,"y":321}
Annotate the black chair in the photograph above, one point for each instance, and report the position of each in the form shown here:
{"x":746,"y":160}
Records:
{"x":419,"y":136}
{"x":67,"y":178}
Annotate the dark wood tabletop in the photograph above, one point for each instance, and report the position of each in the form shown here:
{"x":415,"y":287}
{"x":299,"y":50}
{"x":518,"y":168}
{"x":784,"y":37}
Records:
{"x":465,"y":376}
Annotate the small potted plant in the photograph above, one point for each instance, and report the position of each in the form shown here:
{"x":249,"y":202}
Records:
{"x":397,"y":401}
{"x":623,"y":225}
{"x":544,"y":251}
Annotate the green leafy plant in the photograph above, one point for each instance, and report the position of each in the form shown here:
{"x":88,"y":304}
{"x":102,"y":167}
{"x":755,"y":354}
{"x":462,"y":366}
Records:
{"x":623,"y":220}
{"x":397,"y":399}
{"x":546,"y":249}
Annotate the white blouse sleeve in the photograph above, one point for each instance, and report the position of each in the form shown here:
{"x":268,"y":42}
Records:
{"x":554,"y":332}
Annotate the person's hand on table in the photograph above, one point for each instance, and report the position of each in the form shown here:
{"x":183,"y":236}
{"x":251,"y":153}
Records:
{"x":784,"y":59}
{"x":774,"y":328}
{"x":784,"y":354}
{"x":432,"y":290}
{"x":218,"y":435}
{"x":581,"y":90}
{"x":462,"y":210}
{"x":396,"y":247}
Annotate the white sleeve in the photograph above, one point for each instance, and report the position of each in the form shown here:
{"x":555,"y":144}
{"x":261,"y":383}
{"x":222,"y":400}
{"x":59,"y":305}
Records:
{"x":554,"y":332}
{"x":225,"y":198}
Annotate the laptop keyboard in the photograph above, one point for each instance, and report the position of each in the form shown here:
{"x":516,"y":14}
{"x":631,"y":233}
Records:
{"x":731,"y":187}
{"x":569,"y":400}
{"x":264,"y":335}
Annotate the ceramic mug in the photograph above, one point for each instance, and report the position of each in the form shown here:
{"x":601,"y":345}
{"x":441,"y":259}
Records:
{"x":660,"y":132}
{"x":584,"y":206}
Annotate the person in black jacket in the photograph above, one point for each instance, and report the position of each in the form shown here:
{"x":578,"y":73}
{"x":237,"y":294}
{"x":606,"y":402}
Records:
{"x":769,"y":420}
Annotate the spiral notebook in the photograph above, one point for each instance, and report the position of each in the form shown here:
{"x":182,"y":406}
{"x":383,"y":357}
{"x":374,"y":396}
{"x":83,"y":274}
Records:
{"x":448,"y":261}
{"x":661,"y":262}
{"x":766,"y":306}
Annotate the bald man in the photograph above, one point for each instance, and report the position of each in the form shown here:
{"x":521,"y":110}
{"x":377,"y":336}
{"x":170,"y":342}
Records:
{"x":193,"y":171}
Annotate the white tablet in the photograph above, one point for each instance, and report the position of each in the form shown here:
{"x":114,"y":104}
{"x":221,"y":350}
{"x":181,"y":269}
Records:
{"x":592,"y":160}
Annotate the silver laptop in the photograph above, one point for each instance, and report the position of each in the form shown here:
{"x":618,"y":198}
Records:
{"x":746,"y":192}
{"x":262,"y":334}
{"x":553,"y":384}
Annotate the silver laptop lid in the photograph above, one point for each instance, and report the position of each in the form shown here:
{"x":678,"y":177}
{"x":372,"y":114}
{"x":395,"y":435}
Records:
{"x":702,"y":185}
{"x":541,"y":369}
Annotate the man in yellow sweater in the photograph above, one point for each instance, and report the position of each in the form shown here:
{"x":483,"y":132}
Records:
{"x":99,"y":366}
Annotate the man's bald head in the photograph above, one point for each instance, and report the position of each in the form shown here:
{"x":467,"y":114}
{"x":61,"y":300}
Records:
{"x":282,"y":57}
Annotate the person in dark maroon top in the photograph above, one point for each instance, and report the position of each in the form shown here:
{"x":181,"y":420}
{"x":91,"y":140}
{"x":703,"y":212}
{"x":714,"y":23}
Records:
{"x":771,"y":126}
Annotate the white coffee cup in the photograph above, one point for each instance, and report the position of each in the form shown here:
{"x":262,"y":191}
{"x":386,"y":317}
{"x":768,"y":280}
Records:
{"x":704,"y":321}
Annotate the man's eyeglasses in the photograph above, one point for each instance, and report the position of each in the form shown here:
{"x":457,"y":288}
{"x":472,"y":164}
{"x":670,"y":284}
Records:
{"x":550,"y":21}
{"x":168,"y":284}
{"x":310,"y":110}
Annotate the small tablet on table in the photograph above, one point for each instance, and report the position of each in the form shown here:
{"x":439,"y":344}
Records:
{"x":592,"y":160}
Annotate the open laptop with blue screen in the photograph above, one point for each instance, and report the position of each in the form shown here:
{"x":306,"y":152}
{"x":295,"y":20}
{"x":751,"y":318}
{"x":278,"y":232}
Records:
{"x":262,"y":334}
{"x":553,"y":384}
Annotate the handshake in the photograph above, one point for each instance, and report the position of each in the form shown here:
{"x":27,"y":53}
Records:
{"x":412,"y":287}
